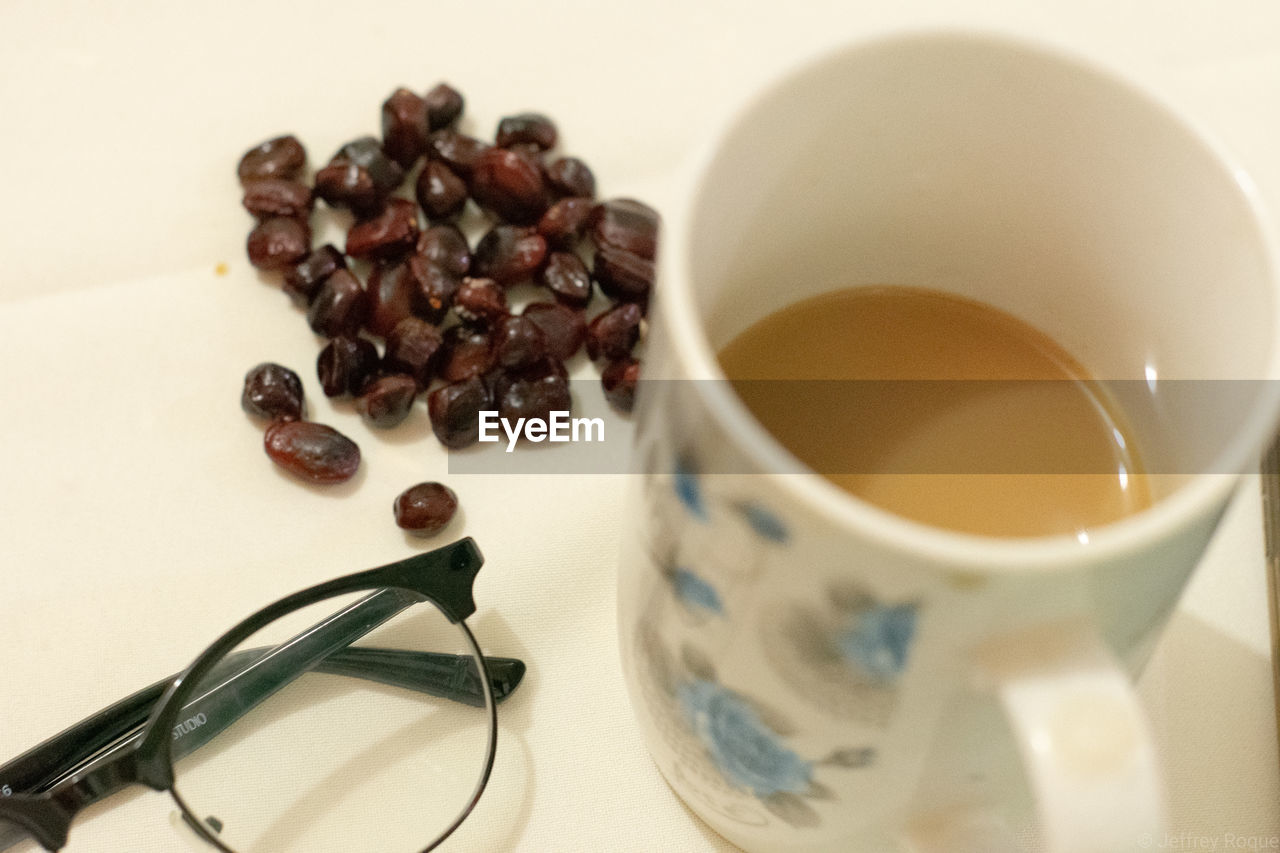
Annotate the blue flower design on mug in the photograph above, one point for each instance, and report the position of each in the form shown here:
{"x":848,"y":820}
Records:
{"x":748,"y":753}
{"x":878,"y":639}
{"x":694,"y":592}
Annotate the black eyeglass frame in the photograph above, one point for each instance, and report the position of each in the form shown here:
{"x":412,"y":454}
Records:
{"x":443,"y":577}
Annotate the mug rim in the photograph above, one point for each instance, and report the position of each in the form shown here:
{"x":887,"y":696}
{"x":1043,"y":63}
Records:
{"x":1185,"y":506}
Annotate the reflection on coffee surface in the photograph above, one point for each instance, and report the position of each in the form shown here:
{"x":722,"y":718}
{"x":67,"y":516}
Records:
{"x":940,"y":409}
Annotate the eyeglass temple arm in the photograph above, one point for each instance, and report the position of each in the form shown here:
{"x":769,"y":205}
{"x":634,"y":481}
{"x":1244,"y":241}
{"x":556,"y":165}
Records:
{"x":425,"y":672}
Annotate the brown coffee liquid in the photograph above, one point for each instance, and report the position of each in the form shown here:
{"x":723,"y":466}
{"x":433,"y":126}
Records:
{"x":984,"y":456}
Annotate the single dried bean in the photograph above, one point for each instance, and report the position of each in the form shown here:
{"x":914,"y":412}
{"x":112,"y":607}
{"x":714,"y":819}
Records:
{"x":315,"y":452}
{"x":425,"y":509}
{"x":282,"y":157}
{"x":274,"y":392}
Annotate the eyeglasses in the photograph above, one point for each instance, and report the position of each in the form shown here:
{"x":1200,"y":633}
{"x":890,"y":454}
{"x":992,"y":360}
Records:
{"x":334,"y":719}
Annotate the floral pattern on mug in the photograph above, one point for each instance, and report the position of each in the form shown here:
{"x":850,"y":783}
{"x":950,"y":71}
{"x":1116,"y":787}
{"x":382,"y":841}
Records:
{"x":845,"y":654}
{"x":750,"y":754}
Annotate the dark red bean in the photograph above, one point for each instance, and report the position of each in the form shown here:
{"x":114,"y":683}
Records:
{"x":456,"y":150}
{"x":274,"y":392}
{"x":390,"y":234}
{"x":436,"y":289}
{"x":278,"y":242}
{"x":619,"y":380}
{"x":534,"y":392}
{"x":445,"y":247}
{"x":282,"y":157}
{"x":455,"y":411}
{"x":529,"y":128}
{"x":425,"y":509}
{"x":623,"y":275}
{"x":387,"y":400}
{"x":510,"y":185}
{"x":466,"y":352}
{"x":569,"y":176}
{"x":440,"y":191}
{"x":615,"y":332}
{"x":444,"y":105}
{"x":340,"y":307}
{"x":304,"y":279}
{"x":628,"y":224}
{"x":563,"y":328}
{"x":532,"y":153}
{"x":393,"y":291}
{"x":480,"y":301}
{"x":344,"y":184}
{"x":366,"y":152}
{"x":346,"y":365}
{"x":404,"y":127}
{"x":565,"y":222}
{"x":314,"y":452}
{"x":509,"y":254}
{"x":518,"y":342}
{"x":277,"y":197}
{"x":413,"y":347}
{"x":566,"y":276}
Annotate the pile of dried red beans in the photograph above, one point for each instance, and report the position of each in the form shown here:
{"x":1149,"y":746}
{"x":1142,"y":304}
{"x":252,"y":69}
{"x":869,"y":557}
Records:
{"x":438,"y":305}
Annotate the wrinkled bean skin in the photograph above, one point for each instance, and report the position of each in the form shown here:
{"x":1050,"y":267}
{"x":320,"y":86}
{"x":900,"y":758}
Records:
{"x":534,"y":392}
{"x":314,"y":452}
{"x":445,"y":247}
{"x":527,"y":129}
{"x":510,"y":185}
{"x":413,"y":348}
{"x":625,"y":223}
{"x":390,"y":234}
{"x":282,"y":157}
{"x":619,"y":380}
{"x":387,"y":400}
{"x":614,"y":333}
{"x":392,"y":290}
{"x":346,"y":365}
{"x":566,"y":276}
{"x":509,"y":254}
{"x":366,"y":152}
{"x":466,"y":352}
{"x":563,"y":328}
{"x":564,"y":223}
{"x":444,"y":105}
{"x":405,"y":127}
{"x":456,"y":150}
{"x":277,"y":197}
{"x":570,"y":176}
{"x":425,"y":509}
{"x":274,"y":392}
{"x":343,"y":184}
{"x":436,"y":289}
{"x":518,"y":342}
{"x":440,"y":191}
{"x":623,"y":275}
{"x":455,"y":411}
{"x":278,"y":242}
{"x":340,"y":307}
{"x":303,"y":280}
{"x":480,"y":301}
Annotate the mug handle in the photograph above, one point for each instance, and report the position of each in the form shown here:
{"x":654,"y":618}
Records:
{"x":1083,"y":737}
{"x":1084,"y":742}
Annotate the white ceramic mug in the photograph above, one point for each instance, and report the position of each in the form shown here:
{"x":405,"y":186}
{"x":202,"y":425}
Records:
{"x":812,"y":673}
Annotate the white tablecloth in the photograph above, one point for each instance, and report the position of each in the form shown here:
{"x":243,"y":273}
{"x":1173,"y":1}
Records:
{"x":139,"y":517}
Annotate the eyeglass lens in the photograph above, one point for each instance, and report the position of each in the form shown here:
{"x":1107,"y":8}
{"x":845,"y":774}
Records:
{"x":334,"y":758}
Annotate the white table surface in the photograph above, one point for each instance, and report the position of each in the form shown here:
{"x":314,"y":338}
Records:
{"x":139,"y":517}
